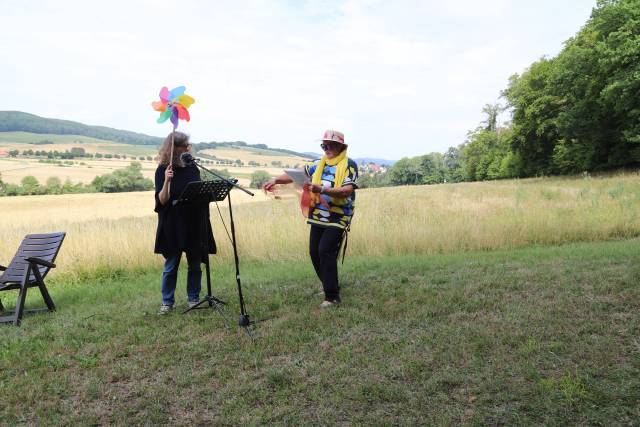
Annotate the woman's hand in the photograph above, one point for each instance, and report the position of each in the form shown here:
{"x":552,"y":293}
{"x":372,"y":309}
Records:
{"x":163,"y":195}
{"x":315,"y":188}
{"x":268,"y":186}
{"x":282,"y":179}
{"x":168,"y":173}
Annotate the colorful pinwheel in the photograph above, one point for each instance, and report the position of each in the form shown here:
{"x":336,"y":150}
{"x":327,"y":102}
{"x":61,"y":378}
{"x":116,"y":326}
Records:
{"x":173,"y":105}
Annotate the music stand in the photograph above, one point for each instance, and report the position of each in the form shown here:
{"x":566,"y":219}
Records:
{"x":244,"y":320}
{"x":201,"y":193}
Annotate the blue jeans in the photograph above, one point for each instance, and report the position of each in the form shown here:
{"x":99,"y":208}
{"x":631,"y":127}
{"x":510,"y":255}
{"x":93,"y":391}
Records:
{"x":170,"y":276}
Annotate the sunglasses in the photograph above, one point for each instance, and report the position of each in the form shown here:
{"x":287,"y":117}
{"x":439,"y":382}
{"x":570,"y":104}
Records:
{"x":326,"y":147}
{"x":187,"y":145}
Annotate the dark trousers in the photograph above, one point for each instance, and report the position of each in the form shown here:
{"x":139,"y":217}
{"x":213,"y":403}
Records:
{"x":324,"y":244}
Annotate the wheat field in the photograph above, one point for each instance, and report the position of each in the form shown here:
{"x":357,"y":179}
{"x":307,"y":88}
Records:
{"x":108,"y":231}
{"x":255,"y":155}
{"x":84,"y":171}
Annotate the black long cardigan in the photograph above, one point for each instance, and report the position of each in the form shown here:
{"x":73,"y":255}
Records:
{"x":181,"y":227}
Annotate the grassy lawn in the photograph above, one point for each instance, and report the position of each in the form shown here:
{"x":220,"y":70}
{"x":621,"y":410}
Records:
{"x":532,"y":336}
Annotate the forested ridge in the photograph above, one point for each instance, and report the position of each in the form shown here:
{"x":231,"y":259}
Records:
{"x":17,"y":121}
{"x":574,"y":113}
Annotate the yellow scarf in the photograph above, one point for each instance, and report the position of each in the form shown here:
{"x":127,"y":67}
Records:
{"x":341,"y":172}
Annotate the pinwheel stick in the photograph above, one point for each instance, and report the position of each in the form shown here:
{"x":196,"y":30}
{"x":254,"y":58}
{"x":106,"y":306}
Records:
{"x":171,"y":159}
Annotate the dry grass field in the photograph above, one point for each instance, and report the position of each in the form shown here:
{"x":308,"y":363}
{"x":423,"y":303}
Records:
{"x":256,"y":155}
{"x":81,"y":171}
{"x":25,"y":141}
{"x":117,"y":230}
{"x":85,"y":170}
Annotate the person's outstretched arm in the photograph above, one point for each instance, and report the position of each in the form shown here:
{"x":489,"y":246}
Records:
{"x":282,"y":179}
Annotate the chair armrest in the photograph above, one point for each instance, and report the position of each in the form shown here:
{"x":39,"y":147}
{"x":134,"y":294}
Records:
{"x":40,"y":262}
{"x":2,"y":268}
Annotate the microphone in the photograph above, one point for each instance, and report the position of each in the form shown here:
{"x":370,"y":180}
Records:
{"x":187,"y":159}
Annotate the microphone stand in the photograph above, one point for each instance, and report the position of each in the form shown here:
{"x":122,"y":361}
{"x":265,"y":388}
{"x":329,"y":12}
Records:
{"x":243,"y":320}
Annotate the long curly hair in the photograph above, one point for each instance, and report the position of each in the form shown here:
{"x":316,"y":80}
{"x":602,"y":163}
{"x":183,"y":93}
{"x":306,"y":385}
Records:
{"x":179,"y":139}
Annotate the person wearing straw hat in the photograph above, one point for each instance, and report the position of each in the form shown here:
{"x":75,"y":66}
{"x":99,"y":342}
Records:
{"x":332,"y":196}
{"x":180,"y":227}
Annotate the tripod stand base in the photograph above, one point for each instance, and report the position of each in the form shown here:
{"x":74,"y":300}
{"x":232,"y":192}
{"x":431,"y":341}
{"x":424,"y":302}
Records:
{"x":213,"y":302}
{"x":244,"y":321}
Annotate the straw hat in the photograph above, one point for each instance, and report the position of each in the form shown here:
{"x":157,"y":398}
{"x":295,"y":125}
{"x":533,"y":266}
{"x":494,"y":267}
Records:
{"x":333,"y":136}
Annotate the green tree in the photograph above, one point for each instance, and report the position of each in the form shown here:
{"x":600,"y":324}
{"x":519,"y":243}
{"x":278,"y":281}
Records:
{"x":258,"y":178}
{"x":372,"y":180}
{"x":432,"y":168}
{"x":580,"y":110}
{"x":127,"y":179}
{"x":53,"y":185}
{"x":29,"y":185}
{"x":492,"y":111}
{"x":405,"y":171}
{"x":535,"y":114}
{"x":222,"y":172}
{"x":453,"y":165}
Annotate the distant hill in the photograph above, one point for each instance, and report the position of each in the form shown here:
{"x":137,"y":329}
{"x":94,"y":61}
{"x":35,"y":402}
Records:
{"x":376,"y":161}
{"x":358,"y":160}
{"x":17,"y":121}
{"x":263,"y":148}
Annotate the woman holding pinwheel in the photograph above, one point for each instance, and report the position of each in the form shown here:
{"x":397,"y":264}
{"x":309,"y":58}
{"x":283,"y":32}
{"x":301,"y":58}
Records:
{"x":180,"y":226}
{"x":332,"y":194}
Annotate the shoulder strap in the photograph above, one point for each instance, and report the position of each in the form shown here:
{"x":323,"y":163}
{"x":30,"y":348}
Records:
{"x":345,"y":241}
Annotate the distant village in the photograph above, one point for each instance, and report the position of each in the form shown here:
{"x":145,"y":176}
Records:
{"x":371,"y":168}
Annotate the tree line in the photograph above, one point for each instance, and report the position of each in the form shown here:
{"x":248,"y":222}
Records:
{"x":121,"y":180}
{"x":577,"y":112}
{"x":75,"y":152}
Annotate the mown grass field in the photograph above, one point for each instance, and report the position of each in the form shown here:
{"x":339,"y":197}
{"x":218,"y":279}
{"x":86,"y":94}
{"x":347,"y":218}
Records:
{"x":510,"y":303}
{"x":535,"y":336}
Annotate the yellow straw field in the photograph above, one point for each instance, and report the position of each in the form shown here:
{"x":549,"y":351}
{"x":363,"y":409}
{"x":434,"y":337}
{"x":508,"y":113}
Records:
{"x":259,"y":156}
{"x":108,"y":231}
{"x":81,"y":171}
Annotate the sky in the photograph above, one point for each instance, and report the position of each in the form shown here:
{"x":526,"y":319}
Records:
{"x":399,"y":78}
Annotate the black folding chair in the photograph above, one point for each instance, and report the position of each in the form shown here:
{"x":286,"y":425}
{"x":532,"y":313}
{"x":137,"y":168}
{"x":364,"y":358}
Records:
{"x":27,"y":269}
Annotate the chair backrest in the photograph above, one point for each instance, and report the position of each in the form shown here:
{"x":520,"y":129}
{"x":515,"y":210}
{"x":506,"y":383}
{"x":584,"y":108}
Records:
{"x":43,"y":246}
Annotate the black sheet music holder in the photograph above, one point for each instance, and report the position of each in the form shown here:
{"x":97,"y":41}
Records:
{"x":204,"y":191}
